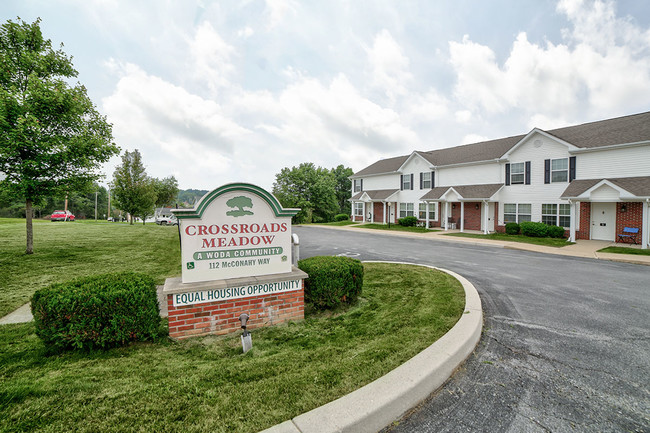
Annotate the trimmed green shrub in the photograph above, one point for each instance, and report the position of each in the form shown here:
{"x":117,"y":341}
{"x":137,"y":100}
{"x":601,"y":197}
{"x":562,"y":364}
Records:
{"x":342,"y":217}
{"x":512,"y":228}
{"x":556,"y":231}
{"x":332,"y":280}
{"x":533,"y":229}
{"x":409,"y":221}
{"x":97,"y":312}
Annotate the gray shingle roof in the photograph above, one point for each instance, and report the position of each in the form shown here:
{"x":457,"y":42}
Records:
{"x":621,"y":130}
{"x":638,"y":186}
{"x":467,"y":192}
{"x":377,"y":194}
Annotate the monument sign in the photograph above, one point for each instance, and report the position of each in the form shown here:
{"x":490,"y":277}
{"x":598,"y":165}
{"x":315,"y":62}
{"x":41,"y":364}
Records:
{"x":235,"y":256}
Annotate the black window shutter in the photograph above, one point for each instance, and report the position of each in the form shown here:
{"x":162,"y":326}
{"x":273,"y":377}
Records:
{"x":547,"y":171}
{"x":527,"y":172}
{"x":433,"y":179}
{"x":411,"y":180}
{"x":421,"y":180}
{"x":572,"y":168}
{"x":507,"y":174}
{"x":401,"y":181}
{"x":361,"y":184}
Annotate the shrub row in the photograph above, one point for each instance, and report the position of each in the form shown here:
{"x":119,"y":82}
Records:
{"x":97,"y":312}
{"x":332,"y":280}
{"x":535,"y":229}
{"x":409,"y":221}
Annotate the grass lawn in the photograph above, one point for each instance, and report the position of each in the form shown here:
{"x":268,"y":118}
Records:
{"x":206,"y":384}
{"x":397,"y":228}
{"x":67,"y":250}
{"x":625,"y":250}
{"x":547,"y":242}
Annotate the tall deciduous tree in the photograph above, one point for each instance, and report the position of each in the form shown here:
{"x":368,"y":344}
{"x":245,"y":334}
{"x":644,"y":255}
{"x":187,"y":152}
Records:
{"x":309,"y":188}
{"x":133,"y":190}
{"x":52,"y":139}
{"x":343,"y":187}
{"x":166,"y":191}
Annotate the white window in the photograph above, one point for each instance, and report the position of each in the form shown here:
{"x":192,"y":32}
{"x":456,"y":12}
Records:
{"x":516,"y":212}
{"x":405,"y":209}
{"x":517,"y":172}
{"x":358,"y":185}
{"x":556,"y":214}
{"x":422,"y":214}
{"x":426,"y":180}
{"x":560,"y":170}
{"x":406,"y":181}
{"x":358,"y":209}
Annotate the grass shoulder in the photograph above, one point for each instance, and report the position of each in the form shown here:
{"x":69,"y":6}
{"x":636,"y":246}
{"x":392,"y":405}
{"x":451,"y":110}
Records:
{"x":625,"y":250}
{"x":206,"y":384}
{"x":548,"y":242}
{"x":335,"y":223}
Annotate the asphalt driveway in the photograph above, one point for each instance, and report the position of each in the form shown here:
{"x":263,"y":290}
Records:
{"x":566,"y":343}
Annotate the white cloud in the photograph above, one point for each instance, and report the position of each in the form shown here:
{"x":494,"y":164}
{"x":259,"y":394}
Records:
{"x":278,"y":9}
{"x":563,"y":79}
{"x":211,"y":58}
{"x":389,"y":66}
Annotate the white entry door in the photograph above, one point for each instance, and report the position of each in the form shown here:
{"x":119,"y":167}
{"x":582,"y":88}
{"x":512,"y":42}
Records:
{"x":603,"y":221}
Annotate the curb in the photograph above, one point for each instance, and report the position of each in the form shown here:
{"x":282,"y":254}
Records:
{"x":379,"y":403}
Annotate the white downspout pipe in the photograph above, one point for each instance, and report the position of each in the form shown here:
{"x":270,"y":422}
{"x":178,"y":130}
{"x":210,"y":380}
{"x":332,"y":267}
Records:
{"x":645,"y":225}
{"x":462,"y":216}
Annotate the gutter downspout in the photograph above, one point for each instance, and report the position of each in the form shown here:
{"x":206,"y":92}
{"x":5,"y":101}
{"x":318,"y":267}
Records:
{"x":645,"y":225}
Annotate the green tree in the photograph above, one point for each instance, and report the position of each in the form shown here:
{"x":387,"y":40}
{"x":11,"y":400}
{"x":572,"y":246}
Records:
{"x":52,"y":138}
{"x":343,"y":187}
{"x":133,"y":190}
{"x":311,"y":189}
{"x":166,"y":191}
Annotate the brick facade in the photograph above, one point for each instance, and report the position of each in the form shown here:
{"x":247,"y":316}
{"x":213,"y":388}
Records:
{"x":222,"y":317}
{"x":632,"y":217}
{"x":585,"y":221}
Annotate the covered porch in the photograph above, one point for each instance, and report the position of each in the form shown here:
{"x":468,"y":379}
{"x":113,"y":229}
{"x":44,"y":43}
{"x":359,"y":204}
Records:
{"x":465,"y":207}
{"x":374,"y":206}
{"x":601,"y":209}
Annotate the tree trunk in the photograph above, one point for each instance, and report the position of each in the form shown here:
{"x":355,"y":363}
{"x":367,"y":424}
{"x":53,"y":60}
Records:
{"x":30,"y":231}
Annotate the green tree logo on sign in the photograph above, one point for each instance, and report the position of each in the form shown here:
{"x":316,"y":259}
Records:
{"x":239,"y":202}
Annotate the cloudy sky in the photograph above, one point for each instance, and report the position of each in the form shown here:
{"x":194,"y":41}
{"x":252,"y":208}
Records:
{"x":222,"y":91}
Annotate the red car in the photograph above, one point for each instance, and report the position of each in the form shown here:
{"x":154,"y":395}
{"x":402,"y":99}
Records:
{"x":61,"y":215}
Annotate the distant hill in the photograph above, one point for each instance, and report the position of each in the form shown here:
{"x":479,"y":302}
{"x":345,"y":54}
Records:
{"x":189,"y":197}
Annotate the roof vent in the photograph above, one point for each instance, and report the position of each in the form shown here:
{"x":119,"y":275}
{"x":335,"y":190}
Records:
{"x":537,"y":143}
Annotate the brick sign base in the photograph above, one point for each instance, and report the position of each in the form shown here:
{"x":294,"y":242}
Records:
{"x":214,"y":307}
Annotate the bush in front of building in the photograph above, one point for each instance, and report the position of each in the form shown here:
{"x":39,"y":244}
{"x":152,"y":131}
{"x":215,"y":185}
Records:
{"x":102,"y":311}
{"x":342,"y":217}
{"x":555,"y":232}
{"x":534,"y":229}
{"x":409,"y":221}
{"x":332,"y":280}
{"x":512,"y":228}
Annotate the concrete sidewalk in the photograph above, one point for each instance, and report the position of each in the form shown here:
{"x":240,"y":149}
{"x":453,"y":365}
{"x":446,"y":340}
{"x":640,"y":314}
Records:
{"x":582,"y":248}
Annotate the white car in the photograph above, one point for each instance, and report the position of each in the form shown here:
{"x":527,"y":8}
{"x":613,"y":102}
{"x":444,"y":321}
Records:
{"x":167,"y":220}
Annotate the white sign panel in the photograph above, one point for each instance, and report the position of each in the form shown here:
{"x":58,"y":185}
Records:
{"x":238,"y":230}
{"x":205,"y":296}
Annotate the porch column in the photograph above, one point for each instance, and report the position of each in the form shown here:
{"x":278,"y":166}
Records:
{"x":363,"y":217}
{"x":486,"y":221}
{"x":572,"y":223}
{"x":372,"y":212}
{"x":385,"y":219}
{"x":645,"y":227}
{"x":426,"y":210}
{"x":462,"y":216}
{"x":446,"y":215}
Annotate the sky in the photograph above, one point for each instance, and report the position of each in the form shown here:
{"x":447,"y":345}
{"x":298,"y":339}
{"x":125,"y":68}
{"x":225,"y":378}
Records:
{"x":214,"y":92}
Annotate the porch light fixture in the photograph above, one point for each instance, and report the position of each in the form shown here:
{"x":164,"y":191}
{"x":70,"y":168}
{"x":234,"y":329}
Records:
{"x":476,"y":206}
{"x":623,"y":207}
{"x":453,"y":205}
